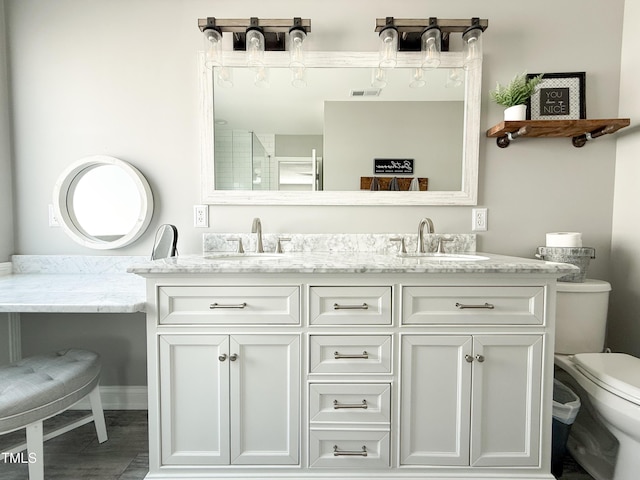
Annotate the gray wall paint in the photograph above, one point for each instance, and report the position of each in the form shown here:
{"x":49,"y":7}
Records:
{"x":624,"y":317}
{"x":357,"y":132}
{"x":127,"y":86}
{"x":6,"y":191}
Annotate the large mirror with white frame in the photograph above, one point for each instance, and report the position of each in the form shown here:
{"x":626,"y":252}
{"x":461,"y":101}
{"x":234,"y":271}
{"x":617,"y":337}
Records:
{"x":316,"y":145}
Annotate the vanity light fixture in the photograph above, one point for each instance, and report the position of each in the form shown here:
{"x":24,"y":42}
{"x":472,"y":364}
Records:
{"x":430,"y":36}
{"x":255,"y":35}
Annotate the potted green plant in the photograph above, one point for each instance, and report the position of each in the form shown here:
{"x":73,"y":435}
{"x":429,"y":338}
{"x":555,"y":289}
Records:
{"x":514,"y":96}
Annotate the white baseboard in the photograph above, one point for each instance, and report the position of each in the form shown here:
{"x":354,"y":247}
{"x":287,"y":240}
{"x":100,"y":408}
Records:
{"x":118,"y":398}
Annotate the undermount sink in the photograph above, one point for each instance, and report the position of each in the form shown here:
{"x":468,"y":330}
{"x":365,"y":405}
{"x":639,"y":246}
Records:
{"x":445,"y":257}
{"x":242,"y":256}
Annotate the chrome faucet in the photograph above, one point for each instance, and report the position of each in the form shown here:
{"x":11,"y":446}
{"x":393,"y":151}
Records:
{"x":425,"y":222}
{"x":256,"y":227}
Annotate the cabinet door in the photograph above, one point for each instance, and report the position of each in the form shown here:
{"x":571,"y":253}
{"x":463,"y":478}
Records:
{"x":506,"y":400}
{"x":435,"y":411}
{"x":194,"y":399}
{"x":265,"y":399}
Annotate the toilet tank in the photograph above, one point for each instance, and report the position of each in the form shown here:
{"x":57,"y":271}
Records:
{"x":581,"y":316}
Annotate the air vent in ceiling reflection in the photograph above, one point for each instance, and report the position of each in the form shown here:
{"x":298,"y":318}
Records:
{"x":368,"y":92}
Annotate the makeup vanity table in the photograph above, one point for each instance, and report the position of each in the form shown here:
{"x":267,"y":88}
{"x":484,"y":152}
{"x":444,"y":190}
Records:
{"x":68,"y":284}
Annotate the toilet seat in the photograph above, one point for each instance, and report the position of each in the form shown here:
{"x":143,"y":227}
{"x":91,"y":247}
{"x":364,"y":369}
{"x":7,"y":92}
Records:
{"x":617,"y":373}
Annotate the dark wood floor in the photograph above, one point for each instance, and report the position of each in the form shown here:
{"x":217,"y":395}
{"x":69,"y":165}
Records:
{"x":77,"y":455}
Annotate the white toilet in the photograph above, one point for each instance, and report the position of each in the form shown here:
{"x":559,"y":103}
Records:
{"x":605,"y":437}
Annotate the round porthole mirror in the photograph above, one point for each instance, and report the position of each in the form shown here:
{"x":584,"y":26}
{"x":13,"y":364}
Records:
{"x":102,"y":202}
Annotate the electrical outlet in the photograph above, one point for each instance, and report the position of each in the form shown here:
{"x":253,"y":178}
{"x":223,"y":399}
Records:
{"x":479,"y":220}
{"x":201,"y":216}
{"x":53,"y":221}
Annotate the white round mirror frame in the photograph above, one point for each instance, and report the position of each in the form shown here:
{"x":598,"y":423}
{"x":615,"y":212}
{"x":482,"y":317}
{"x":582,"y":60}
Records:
{"x":66,"y":217}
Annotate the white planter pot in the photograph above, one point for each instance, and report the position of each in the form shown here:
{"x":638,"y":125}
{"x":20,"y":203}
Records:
{"x":517,"y":112}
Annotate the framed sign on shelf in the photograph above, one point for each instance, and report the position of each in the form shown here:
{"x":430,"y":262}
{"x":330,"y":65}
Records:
{"x":560,"y":96}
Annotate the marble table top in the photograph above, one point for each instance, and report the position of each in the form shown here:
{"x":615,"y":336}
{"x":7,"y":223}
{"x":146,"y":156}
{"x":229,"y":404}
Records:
{"x":72,"y":284}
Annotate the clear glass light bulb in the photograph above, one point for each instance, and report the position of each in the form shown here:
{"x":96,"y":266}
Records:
{"x":296,"y":51}
{"x":212,"y":48}
{"x":388,"y":52}
{"x":255,"y":48}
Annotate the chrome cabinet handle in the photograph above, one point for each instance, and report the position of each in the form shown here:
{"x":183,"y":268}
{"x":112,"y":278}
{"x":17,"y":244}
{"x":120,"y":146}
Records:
{"x":462,"y":306}
{"x":233,"y":357}
{"x":222,"y":357}
{"x":338,"y":355}
{"x":227,"y":305}
{"x":349,"y":453}
{"x":337,"y":405}
{"x":469,"y":358}
{"x":337,"y":306}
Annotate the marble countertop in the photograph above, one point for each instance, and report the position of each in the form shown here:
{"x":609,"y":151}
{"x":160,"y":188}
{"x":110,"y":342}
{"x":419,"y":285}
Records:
{"x":72,"y":293}
{"x":72,"y":284}
{"x":345,"y":262}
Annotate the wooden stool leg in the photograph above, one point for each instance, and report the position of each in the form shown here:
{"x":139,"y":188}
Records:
{"x":98,"y":414}
{"x":35,"y":451}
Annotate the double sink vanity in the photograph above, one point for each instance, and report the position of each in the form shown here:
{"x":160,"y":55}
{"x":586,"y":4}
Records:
{"x":345,"y":358}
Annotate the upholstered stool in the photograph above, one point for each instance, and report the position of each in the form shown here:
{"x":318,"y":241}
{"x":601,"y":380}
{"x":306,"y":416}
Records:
{"x":36,"y":388}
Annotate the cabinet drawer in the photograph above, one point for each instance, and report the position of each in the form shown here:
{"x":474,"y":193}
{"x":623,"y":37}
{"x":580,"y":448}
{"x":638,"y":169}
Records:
{"x":349,"y":403}
{"x":350,"y":353}
{"x":473,"y":305}
{"x":348,"y":448}
{"x":232,"y":305}
{"x":350,"y":305}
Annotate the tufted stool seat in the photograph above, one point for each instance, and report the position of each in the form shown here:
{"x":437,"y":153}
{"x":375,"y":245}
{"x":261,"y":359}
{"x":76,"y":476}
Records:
{"x":39,"y":387}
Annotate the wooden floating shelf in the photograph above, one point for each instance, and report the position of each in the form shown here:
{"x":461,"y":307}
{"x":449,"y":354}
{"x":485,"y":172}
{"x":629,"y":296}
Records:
{"x":579,"y":130}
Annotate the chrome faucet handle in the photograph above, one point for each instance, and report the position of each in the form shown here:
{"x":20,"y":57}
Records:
{"x":403,"y":246}
{"x":240,"y":248}
{"x":441,"y":242}
{"x":279,"y":243}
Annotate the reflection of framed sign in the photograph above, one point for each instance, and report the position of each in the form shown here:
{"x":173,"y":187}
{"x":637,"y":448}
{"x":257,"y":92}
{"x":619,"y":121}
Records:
{"x":560,"y":96}
{"x":393,"y":165}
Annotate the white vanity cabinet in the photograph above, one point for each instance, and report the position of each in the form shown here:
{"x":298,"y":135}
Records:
{"x":316,"y":375}
{"x":229,"y":399}
{"x":470,"y":400}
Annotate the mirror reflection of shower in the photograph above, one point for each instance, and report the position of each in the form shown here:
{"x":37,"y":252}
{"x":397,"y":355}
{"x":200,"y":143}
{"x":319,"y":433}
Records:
{"x":242,"y":159}
{"x":245,"y":160}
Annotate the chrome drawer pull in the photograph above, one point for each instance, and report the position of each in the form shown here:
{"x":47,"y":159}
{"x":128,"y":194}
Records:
{"x":337,"y":405}
{"x":227,"y":305}
{"x":462,"y":306}
{"x":222,"y":357}
{"x":233,"y":357}
{"x":468,"y":358}
{"x":480,"y":358}
{"x":337,"y":306}
{"x":349,"y":453}
{"x":338,"y":355}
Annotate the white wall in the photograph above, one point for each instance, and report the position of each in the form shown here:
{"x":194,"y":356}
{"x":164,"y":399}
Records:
{"x":119,"y":77}
{"x":624,"y":318}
